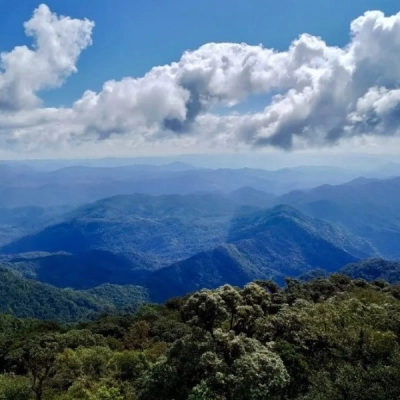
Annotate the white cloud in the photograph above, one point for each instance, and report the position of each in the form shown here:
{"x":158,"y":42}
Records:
{"x":58,"y":42}
{"x":326,"y":95}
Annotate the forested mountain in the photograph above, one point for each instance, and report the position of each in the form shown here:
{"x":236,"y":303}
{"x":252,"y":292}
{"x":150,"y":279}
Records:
{"x":330,"y":339}
{"x":28,"y":298}
{"x":369,"y":208}
{"x":271,"y":244}
{"x":213,"y":241}
{"x":164,"y":228}
{"x":374,"y":269}
{"x":74,"y":185}
{"x":20,"y":221}
{"x":173,"y":244}
{"x":285,"y":220}
{"x":82,"y":270}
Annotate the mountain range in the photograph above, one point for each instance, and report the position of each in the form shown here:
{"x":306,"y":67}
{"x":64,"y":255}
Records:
{"x":369,"y":208}
{"x":272,"y":244}
{"x":23,"y":185}
{"x":232,"y":232}
{"x":129,"y":239}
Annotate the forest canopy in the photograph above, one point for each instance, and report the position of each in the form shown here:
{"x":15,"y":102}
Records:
{"x":333,"y":338}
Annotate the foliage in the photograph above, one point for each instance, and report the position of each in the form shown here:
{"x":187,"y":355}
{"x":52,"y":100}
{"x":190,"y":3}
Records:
{"x":374,"y":269}
{"x":203,"y":240}
{"x":165,"y":228}
{"x":268,"y":244}
{"x":27,"y":298}
{"x":327,"y":338}
{"x":14,"y":387}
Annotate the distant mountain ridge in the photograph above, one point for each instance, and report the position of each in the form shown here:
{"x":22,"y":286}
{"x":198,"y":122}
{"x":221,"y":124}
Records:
{"x":177,"y":243}
{"x":368,"y":208}
{"x":280,"y":242}
{"x":75,"y":185}
{"x":164,"y":228}
{"x":125,"y":239}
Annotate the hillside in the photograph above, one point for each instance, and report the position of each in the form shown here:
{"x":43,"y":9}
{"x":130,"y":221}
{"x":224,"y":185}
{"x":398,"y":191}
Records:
{"x":181,"y":243}
{"x":74,"y":185}
{"x":330,"y":339}
{"x":285,"y":219}
{"x":208,"y":269}
{"x":369,"y":208}
{"x":19,"y":221}
{"x":79,"y":271}
{"x":374,"y":269}
{"x":27,"y":298}
{"x":164,"y":228}
{"x":272,"y":244}
{"x":249,"y":196}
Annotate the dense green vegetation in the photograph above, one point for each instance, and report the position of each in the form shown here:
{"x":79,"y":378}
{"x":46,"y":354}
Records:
{"x":28,"y":298}
{"x":164,"y":228}
{"x":262,"y":245}
{"x":79,"y":271}
{"x":167,"y":229}
{"x":374,"y":269}
{"x":327,"y":339}
{"x":369,"y":208}
{"x":241,"y":245}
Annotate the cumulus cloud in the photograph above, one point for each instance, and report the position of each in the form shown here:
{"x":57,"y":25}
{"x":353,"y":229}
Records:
{"x":58,"y":42}
{"x":321,"y":94}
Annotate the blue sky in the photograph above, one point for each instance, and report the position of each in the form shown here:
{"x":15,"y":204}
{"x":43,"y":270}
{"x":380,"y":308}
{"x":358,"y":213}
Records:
{"x":257,"y":75}
{"x":131,"y":36}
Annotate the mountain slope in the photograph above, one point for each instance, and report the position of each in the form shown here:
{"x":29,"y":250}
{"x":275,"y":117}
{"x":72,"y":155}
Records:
{"x":164,"y":228}
{"x":16,"y":222}
{"x":207,"y":240}
{"x":272,"y":244}
{"x":79,"y":271}
{"x":208,"y":269}
{"x":369,"y":208}
{"x":286,"y":219}
{"x":373,"y":269}
{"x":252,"y":197}
{"x":23,"y":297}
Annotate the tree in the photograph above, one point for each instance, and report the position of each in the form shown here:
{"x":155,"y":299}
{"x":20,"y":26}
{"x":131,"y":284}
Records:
{"x":38,"y":357}
{"x":14,"y":387}
{"x":205,"y":309}
{"x":226,"y":365}
{"x":137,"y":336}
{"x":232,"y":299}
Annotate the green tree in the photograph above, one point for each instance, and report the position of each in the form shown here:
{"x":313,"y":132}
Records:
{"x":14,"y":388}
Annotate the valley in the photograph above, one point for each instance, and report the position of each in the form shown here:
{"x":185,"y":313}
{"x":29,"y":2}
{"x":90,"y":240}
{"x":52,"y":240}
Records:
{"x":199,"y":200}
{"x":175,"y":243}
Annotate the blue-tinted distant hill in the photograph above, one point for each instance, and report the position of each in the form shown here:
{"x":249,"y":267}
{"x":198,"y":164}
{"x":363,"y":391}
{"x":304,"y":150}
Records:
{"x":82,"y":270}
{"x":75,"y":185}
{"x":374,"y":269}
{"x":20,"y":221}
{"x":271,"y":244}
{"x":164,"y":228}
{"x":123,"y":240}
{"x":370,"y":208}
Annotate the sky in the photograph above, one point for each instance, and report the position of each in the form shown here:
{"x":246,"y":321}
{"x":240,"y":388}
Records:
{"x":128,"y":78}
